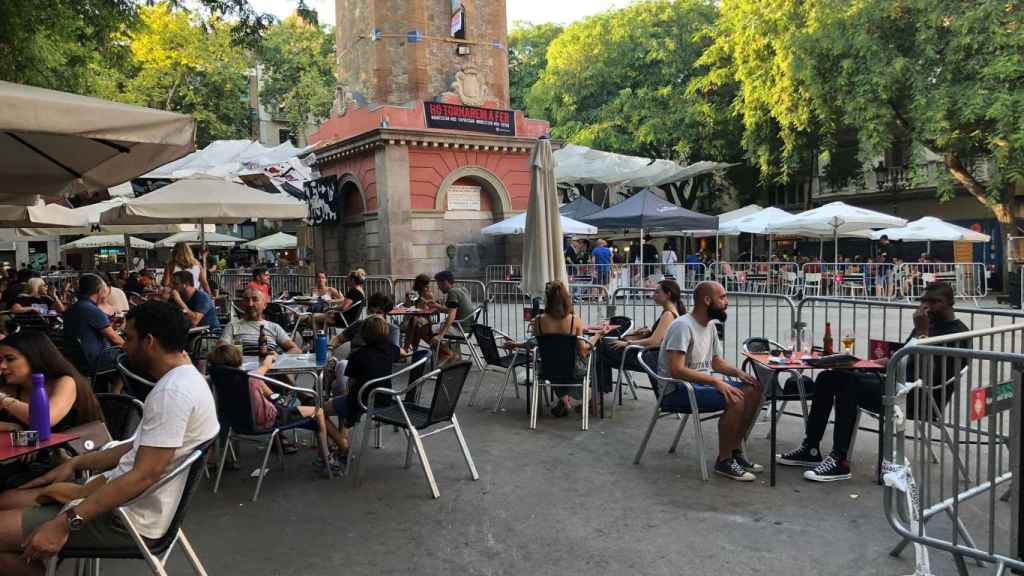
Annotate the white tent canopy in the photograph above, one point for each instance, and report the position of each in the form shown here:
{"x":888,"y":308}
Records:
{"x":931,"y":229}
{"x":517,"y":225}
{"x":835,"y":218}
{"x":227,"y":158}
{"x":91,"y":214}
{"x":582,"y":165}
{"x":56,"y":143}
{"x":195,"y":237}
{"x":41,"y":215}
{"x":106,"y":241}
{"x":276,"y":241}
{"x":757,"y":222}
{"x":205,"y":200}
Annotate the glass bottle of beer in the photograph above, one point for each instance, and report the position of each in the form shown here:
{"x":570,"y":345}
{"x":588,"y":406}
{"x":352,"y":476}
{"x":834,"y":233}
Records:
{"x":826,"y":345}
{"x":264,"y":348}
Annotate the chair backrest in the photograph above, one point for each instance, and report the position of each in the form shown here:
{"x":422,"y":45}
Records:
{"x":558,"y":354}
{"x":134,"y":384}
{"x":447,"y":390}
{"x":649,"y":362}
{"x":234,"y":403}
{"x":624,"y":323}
{"x":812,"y":278}
{"x":757,"y":345}
{"x":121,"y":413}
{"x":192,"y":479}
{"x":488,"y":344}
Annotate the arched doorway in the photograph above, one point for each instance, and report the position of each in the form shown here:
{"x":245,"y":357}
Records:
{"x":353,"y":226}
{"x":472,"y":198}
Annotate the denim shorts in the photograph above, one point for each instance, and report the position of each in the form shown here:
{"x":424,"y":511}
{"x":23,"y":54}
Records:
{"x":709,"y":399}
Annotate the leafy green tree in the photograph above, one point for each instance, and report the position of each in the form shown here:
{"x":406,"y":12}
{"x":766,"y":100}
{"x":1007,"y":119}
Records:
{"x":298,"y":74}
{"x":618,"y":81}
{"x":942,"y":73}
{"x":183,"y":63}
{"x":527,"y":58}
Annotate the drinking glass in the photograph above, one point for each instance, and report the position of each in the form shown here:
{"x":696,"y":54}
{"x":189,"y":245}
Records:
{"x":806,"y":341}
{"x":790,"y":343}
{"x":848,"y":342}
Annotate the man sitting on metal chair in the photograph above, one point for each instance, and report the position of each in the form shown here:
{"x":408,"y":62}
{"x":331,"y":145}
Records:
{"x":849,"y":391}
{"x":179,"y":416}
{"x":459,"y":306}
{"x":692,"y":351}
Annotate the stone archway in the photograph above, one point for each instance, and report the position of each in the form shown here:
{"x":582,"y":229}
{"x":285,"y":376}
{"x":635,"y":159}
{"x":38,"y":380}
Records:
{"x":501,"y":204}
{"x":352,"y":227}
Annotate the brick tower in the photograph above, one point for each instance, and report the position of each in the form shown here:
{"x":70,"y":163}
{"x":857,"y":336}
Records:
{"x":399,"y":51}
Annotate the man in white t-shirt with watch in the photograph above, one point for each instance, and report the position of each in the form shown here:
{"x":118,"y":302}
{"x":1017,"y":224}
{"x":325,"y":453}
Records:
{"x":691,"y":351}
{"x":179,"y":416}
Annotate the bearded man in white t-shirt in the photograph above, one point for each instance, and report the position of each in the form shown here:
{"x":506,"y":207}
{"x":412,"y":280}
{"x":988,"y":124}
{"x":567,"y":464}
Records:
{"x":179,"y":416}
{"x":691,"y":351}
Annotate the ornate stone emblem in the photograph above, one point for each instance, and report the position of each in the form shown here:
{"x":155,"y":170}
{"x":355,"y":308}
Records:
{"x":470,"y":87}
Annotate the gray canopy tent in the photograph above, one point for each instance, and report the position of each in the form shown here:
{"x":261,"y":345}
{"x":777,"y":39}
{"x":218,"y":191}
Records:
{"x":647,"y":211}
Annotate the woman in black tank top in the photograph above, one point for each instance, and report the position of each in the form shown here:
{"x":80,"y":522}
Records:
{"x":666,"y":295}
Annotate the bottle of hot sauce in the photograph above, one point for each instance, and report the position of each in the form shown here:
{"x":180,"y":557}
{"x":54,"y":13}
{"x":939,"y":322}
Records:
{"x":826,"y":345}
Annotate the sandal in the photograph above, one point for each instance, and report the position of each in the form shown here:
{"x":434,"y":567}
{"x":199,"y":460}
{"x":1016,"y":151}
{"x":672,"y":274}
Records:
{"x":559,"y":410}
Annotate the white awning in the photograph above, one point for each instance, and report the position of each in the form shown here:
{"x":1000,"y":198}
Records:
{"x":581,"y":165}
{"x":931,"y":229}
{"x":195,"y":237}
{"x":517,"y":225}
{"x":277,"y":241}
{"x":106,"y":241}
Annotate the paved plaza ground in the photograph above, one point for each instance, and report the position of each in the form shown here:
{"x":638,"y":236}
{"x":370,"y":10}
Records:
{"x":551,"y":501}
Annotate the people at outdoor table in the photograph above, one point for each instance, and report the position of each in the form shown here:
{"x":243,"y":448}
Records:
{"x":848,"y":391}
{"x":247,"y":328}
{"x":15,"y":288}
{"x":179,"y":416}
{"x":691,"y":351}
{"x":323,"y":292}
{"x":183,"y":259}
{"x":113,"y":301}
{"x":87,"y":329}
{"x":261,"y":282}
{"x":375,"y":359}
{"x":418,"y":328}
{"x":36,"y":298}
{"x":195,"y":304}
{"x":459,"y":306}
{"x":355,"y":295}
{"x":269,"y":408}
{"x":668,"y":297}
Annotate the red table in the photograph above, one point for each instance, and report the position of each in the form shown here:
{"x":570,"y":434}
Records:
{"x":8,"y":452}
{"x":795,"y":365}
{"x":410,"y":311}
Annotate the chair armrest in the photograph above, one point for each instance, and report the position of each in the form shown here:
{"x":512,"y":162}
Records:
{"x":279,"y":384}
{"x":502,"y":334}
{"x":178,"y":471}
{"x":393,"y":374}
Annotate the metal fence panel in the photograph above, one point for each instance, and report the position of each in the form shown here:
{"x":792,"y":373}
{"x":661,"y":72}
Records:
{"x":943,"y":471}
{"x":969,"y":280}
{"x":781,"y":278}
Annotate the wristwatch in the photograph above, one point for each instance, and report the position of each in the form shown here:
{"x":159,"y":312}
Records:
{"x":75,"y":522}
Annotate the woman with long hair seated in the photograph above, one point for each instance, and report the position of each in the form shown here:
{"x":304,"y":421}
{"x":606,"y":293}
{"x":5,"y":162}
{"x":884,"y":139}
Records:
{"x":72,"y":402}
{"x":36,"y":297}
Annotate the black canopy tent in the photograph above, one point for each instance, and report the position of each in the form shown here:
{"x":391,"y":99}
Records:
{"x":579,"y":209}
{"x":647,"y":211}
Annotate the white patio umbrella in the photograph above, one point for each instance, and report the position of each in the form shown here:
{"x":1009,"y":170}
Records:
{"x":106,"y":241}
{"x":543,"y":260}
{"x":756,"y":223}
{"x":834,"y":220}
{"x":276,"y":241}
{"x":195,"y":237}
{"x":41,"y":215}
{"x":205,"y":200}
{"x":517,"y":225}
{"x":56,"y":143}
{"x":931,"y":229}
{"x":91,"y":214}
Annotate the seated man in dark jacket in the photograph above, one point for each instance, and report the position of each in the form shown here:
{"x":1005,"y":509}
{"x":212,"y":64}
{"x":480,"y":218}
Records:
{"x":851,"y":390}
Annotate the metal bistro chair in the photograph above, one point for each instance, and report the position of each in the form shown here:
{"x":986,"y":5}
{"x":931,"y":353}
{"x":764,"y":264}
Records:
{"x":556,"y":354}
{"x":796,"y":387}
{"x":461,"y":337}
{"x":487,"y":340}
{"x":134,"y":385}
{"x":234,"y":410}
{"x":675,"y":397}
{"x":154,"y":552}
{"x":414,"y":419}
{"x":121,"y":413}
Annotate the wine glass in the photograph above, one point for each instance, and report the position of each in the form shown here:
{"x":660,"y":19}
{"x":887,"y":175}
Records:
{"x":792,"y":338}
{"x":806,"y":341}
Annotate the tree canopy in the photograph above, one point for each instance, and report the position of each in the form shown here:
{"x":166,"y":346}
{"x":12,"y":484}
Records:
{"x":298,"y":73}
{"x":941,"y":73}
{"x":527,"y":58}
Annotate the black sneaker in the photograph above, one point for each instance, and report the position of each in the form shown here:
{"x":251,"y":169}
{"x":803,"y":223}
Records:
{"x":747,"y":465}
{"x":805,"y":456}
{"x":731,"y":469}
{"x":831,"y":469}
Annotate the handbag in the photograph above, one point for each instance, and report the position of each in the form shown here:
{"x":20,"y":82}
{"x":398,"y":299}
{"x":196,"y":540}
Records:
{"x":92,"y":436}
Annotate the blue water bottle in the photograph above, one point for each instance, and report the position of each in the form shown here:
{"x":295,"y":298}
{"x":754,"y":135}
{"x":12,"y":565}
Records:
{"x":321,"y":347}
{"x":39,"y":407}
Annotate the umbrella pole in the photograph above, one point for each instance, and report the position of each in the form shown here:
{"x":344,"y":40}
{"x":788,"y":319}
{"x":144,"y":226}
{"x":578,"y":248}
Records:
{"x":127,"y":252}
{"x":835,"y":244}
{"x":718,"y":256}
{"x":751,"y":248}
{"x":821,"y":249}
{"x":202,"y":240}
{"x":928,"y":247}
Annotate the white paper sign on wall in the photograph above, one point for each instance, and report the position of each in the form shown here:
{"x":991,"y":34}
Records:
{"x":464,"y":198}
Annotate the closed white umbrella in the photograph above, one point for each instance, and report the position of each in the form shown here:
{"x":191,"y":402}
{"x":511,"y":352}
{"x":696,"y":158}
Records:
{"x":106,"y":241}
{"x":834,"y":220}
{"x":517,"y":225}
{"x":196,"y":237}
{"x":56,"y":143}
{"x":276,"y":241}
{"x":543,"y":260}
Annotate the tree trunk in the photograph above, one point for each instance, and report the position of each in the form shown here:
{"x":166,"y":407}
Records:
{"x":1005,"y":209}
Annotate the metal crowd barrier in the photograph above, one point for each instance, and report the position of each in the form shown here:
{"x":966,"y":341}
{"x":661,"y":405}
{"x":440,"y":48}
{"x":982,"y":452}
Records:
{"x":507,"y":303}
{"x":943,"y":469}
{"x":781,"y":278}
{"x":969,"y":280}
{"x":503,"y":273}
